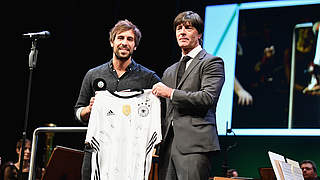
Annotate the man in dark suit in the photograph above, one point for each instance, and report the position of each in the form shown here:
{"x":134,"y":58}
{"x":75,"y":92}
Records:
{"x":189,"y":128}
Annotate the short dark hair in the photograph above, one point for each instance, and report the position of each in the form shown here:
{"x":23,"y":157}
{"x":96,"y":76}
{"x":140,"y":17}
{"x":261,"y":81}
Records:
{"x":314,"y":166}
{"x":122,"y":26}
{"x":189,"y":17}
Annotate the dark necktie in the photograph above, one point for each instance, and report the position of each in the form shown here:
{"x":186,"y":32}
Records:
{"x":182,"y":67}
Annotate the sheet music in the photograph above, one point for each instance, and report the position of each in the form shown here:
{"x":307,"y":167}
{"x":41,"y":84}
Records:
{"x":273,"y":158}
{"x":293,"y":162}
{"x":286,"y":171}
{"x":297,"y":172}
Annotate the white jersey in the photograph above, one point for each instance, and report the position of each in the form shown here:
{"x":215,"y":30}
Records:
{"x":123,"y":132}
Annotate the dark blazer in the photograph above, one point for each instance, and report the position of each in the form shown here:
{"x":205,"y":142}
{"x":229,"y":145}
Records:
{"x":193,"y":105}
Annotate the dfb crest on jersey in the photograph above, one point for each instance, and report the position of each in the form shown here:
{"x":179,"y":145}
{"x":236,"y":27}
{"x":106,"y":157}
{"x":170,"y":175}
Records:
{"x":143,"y":111}
{"x":126,"y":109}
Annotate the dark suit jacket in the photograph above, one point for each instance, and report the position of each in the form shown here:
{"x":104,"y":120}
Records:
{"x":193,"y":105}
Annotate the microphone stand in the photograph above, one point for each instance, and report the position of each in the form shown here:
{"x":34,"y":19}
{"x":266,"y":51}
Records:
{"x":32,"y":64}
{"x":225,"y":165}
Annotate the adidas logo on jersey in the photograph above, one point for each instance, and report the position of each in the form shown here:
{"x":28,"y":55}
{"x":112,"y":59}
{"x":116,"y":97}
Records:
{"x":110,"y":113}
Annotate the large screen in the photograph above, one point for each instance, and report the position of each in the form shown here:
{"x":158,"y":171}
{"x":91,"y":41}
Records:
{"x":268,"y":49}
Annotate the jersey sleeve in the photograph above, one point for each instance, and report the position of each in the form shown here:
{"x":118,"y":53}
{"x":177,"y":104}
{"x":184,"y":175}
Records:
{"x":156,"y":118}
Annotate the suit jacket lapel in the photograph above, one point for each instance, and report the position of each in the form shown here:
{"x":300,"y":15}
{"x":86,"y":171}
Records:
{"x":191,"y":66}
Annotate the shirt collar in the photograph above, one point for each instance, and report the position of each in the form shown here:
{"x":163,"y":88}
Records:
{"x":131,"y":66}
{"x":194,"y":52}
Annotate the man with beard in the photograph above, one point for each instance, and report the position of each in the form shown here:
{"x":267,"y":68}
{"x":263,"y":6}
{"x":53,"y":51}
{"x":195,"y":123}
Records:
{"x":120,"y":73}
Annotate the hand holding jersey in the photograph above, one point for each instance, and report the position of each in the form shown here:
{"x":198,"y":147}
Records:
{"x":162,"y":90}
{"x":85,"y":113}
{"x":191,"y":88}
{"x":123,"y":133}
{"x":118,"y":74}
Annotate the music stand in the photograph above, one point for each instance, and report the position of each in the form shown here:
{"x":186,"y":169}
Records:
{"x":266,"y":173}
{"x":64,"y":163}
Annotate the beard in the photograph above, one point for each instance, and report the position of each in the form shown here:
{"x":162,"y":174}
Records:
{"x":121,"y":56}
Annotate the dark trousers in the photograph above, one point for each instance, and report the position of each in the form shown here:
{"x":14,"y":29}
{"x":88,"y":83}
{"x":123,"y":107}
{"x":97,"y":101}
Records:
{"x":174,"y":165}
{"x":86,"y":163}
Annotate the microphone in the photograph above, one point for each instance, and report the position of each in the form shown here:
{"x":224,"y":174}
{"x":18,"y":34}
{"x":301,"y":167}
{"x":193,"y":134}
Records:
{"x":99,"y":84}
{"x":37,"y":35}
